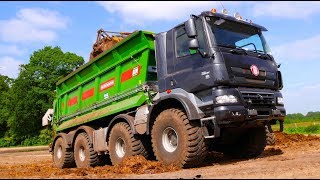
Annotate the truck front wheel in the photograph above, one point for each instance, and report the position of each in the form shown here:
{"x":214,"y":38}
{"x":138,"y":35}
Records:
{"x":84,"y":153}
{"x":271,"y":140}
{"x":178,"y":141}
{"x":123,"y":143}
{"x":62,"y":157}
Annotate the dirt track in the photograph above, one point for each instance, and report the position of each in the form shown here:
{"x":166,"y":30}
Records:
{"x":293,"y":156}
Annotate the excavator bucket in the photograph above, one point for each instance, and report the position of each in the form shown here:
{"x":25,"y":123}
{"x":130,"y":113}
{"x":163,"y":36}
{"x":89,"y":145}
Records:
{"x":106,"y":40}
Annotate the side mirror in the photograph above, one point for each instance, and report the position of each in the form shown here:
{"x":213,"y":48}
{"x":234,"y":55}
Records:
{"x":190,"y":28}
{"x":193,"y":44}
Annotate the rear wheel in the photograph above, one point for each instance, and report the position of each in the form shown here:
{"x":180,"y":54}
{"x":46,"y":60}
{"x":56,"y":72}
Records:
{"x":84,"y":153}
{"x":250,"y":144}
{"x":62,"y":156}
{"x":123,"y":143}
{"x":176,"y":140}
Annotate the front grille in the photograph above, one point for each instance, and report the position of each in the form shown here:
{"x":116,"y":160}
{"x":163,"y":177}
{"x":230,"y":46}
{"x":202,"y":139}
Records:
{"x":258,"y":99}
{"x":244,"y":76}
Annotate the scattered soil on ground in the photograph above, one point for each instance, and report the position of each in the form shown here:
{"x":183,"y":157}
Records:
{"x":276,"y":161}
{"x":45,"y":169}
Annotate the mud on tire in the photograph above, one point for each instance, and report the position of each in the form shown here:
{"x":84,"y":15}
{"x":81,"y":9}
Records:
{"x":123,"y":143}
{"x":178,"y":141}
{"x":84,"y":153}
{"x":62,"y":156}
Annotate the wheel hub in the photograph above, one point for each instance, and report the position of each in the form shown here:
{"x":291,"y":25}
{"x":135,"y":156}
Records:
{"x":82,"y":154}
{"x":170,"y":139}
{"x":120,"y":147}
{"x":59,"y":152}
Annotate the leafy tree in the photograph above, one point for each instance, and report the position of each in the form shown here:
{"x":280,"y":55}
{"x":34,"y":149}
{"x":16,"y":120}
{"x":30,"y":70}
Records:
{"x":5,"y":83}
{"x":33,"y":91}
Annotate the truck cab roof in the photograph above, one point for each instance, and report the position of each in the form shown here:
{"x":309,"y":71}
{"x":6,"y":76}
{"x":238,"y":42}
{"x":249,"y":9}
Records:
{"x":231,"y":18}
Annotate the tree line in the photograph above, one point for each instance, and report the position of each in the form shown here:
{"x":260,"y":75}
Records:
{"x":24,"y":100}
{"x":298,"y":117}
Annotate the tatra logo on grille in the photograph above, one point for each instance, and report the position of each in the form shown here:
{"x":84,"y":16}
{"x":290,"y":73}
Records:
{"x":254,"y":70}
{"x":260,"y":96}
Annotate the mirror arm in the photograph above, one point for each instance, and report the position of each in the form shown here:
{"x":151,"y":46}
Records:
{"x":203,"y":54}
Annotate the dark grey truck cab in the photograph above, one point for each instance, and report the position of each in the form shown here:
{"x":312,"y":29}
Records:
{"x":222,"y":70}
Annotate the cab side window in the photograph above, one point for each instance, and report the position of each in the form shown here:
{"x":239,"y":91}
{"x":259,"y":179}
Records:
{"x":182,"y":42}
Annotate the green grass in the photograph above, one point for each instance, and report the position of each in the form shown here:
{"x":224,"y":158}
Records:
{"x":306,"y":119}
{"x":300,"y":127}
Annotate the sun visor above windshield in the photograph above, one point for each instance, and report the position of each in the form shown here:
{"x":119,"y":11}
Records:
{"x":208,"y":13}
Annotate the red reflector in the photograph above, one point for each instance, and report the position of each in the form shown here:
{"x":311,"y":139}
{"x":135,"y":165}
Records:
{"x":73,"y":101}
{"x":169,"y":91}
{"x":88,"y":94}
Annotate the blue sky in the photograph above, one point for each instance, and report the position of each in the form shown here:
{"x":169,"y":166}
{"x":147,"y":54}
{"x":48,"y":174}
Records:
{"x":293,"y":35}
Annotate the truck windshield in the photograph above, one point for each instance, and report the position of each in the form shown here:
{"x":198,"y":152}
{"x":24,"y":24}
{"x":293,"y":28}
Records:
{"x":237,"y":35}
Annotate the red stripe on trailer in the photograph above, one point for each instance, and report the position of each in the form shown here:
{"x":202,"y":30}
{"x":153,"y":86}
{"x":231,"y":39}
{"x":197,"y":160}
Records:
{"x":130,"y":73}
{"x":106,"y":85}
{"x":73,"y":101}
{"x":88,"y":94}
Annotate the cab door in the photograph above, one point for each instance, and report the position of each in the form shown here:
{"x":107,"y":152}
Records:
{"x":192,"y":72}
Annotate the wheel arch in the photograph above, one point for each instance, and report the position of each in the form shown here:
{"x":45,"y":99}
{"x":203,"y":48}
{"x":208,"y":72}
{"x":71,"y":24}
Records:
{"x":172,"y":101}
{"x":86,"y":129}
{"x":121,"y":118}
{"x":64,"y":137}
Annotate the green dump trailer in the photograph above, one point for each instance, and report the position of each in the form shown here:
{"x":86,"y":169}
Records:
{"x":112,"y":83}
{"x":172,"y":96}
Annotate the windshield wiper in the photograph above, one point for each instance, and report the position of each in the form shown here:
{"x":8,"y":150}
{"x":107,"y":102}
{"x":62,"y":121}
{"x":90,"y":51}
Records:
{"x":262,"y":54}
{"x":248,"y":45}
{"x":234,"y":49}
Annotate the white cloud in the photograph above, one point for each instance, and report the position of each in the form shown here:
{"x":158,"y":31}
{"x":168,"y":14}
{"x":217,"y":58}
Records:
{"x":31,"y":25}
{"x":285,"y":9}
{"x":137,"y":12}
{"x":11,"y":50}
{"x":140,"y":11}
{"x":296,"y":51}
{"x":42,"y":18}
{"x":9,"y":66}
{"x":302,"y":99}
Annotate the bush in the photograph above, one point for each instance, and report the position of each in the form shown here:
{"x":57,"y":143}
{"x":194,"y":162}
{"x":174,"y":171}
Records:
{"x":311,"y":129}
{"x":44,"y":138}
{"x":30,"y":141}
{"x":7,"y":142}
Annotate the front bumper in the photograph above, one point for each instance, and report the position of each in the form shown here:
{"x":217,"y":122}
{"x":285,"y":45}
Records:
{"x":253,"y":104}
{"x":233,"y":114}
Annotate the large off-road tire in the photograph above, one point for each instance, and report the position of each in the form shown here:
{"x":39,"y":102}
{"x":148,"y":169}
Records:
{"x":271,"y":140}
{"x":250,"y":144}
{"x":62,"y":156}
{"x":123,"y":143}
{"x":84,"y":154}
{"x":178,"y":141}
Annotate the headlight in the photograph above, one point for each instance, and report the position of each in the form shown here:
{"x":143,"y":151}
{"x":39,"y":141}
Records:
{"x":279,"y":100}
{"x":226,"y":99}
